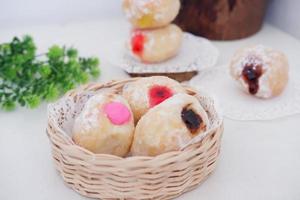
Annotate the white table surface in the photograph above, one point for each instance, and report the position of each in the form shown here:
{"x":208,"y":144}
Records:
{"x":259,"y":160}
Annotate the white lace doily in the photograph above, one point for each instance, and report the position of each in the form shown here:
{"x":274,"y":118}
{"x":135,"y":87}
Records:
{"x":195,"y":54}
{"x":238,"y":105}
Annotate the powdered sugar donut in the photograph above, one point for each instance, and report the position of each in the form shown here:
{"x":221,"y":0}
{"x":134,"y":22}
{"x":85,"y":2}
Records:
{"x":155,"y":45}
{"x":169,"y":126}
{"x":150,"y":13}
{"x":261,"y":71}
{"x":146,"y":93}
{"x":105,"y":125}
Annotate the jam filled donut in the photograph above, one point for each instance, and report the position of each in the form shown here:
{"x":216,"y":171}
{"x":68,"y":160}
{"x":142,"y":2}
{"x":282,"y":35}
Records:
{"x":155,"y":45}
{"x":150,"y":13}
{"x":169,"y":126}
{"x":261,"y":71}
{"x":105,"y":125}
{"x":146,"y":93}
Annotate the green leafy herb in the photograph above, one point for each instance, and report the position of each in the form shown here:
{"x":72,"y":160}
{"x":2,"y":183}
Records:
{"x":27,"y":79}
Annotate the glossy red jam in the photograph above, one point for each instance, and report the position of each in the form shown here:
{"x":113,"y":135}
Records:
{"x":251,"y":74}
{"x":158,"y":94}
{"x":137,"y":43}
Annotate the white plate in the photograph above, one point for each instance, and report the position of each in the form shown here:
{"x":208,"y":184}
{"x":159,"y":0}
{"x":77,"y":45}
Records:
{"x":196,"y":54}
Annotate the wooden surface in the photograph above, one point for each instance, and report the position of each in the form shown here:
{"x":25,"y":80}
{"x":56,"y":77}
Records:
{"x":221,"y":19}
{"x":181,"y":77}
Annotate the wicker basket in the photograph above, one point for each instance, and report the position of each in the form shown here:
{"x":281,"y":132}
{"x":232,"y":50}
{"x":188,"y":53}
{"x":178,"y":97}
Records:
{"x":110,"y":177}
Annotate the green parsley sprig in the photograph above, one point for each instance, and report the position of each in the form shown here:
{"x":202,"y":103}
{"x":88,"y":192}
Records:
{"x":27,"y":78}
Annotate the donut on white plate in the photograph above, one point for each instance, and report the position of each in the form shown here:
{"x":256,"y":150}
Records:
{"x":261,"y":71}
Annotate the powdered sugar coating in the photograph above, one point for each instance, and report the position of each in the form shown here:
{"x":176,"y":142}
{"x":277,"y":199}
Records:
{"x":150,"y":13}
{"x":137,"y":93}
{"x":140,"y":7}
{"x":89,"y":117}
{"x":162,"y":129}
{"x":94,"y":129}
{"x":258,"y":55}
{"x":158,"y":44}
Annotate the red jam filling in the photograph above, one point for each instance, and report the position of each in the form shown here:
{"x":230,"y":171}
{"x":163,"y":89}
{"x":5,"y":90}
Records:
{"x":137,"y":43}
{"x":191,"y":119}
{"x":158,"y":94}
{"x":251,"y":74}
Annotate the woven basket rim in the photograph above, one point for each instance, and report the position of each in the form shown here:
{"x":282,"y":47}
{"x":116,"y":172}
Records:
{"x":71,"y":146}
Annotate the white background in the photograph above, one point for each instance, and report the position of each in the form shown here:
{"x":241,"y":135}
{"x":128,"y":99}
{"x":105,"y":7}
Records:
{"x":282,"y":13}
{"x":259,"y":160}
{"x":285,"y":14}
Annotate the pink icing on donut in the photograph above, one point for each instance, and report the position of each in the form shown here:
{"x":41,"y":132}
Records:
{"x":117,"y":113}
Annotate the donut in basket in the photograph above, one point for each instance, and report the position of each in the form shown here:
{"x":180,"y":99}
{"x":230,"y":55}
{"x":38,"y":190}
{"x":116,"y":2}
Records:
{"x":105,"y":125}
{"x":146,"y":93}
{"x":181,"y":118}
{"x":102,"y":150}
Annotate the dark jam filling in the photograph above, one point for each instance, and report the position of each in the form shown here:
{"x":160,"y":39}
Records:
{"x":191,"y":119}
{"x":251,"y":74}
